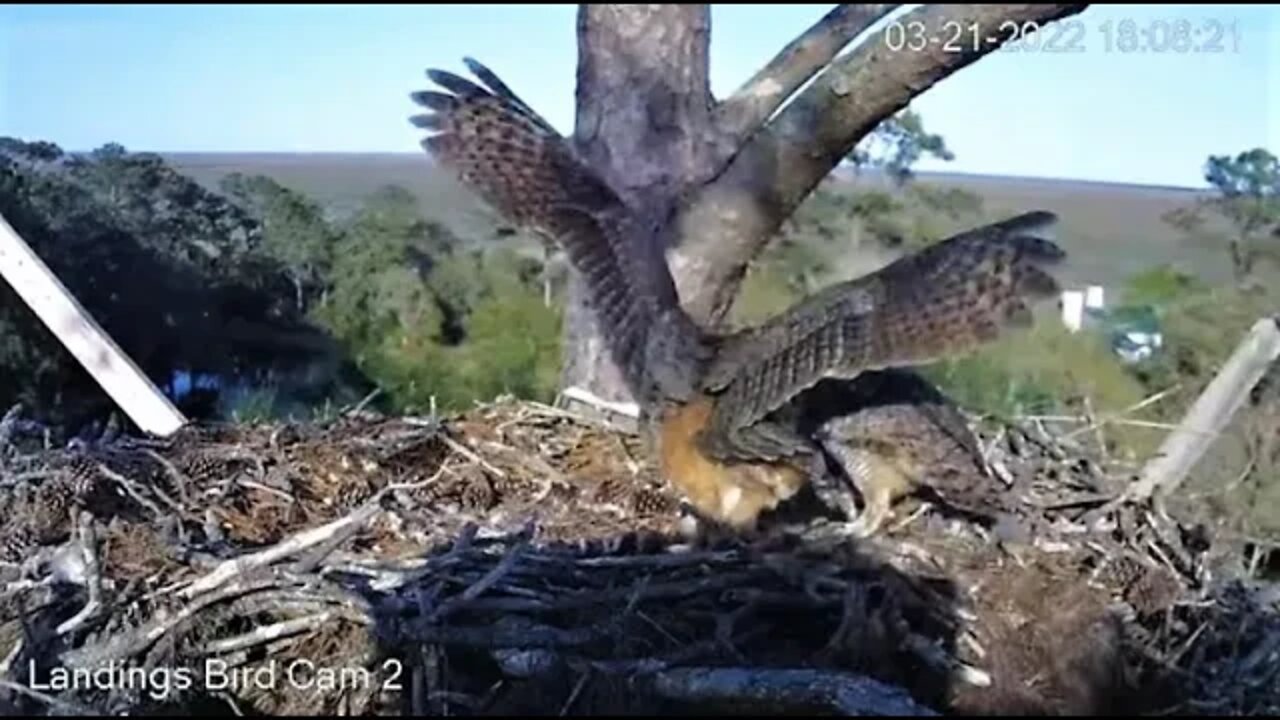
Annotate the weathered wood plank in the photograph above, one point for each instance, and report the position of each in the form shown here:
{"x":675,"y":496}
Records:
{"x":1211,"y":412}
{"x":81,"y":335}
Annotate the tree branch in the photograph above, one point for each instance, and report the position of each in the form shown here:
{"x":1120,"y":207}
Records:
{"x":744,"y":112}
{"x":726,"y":224}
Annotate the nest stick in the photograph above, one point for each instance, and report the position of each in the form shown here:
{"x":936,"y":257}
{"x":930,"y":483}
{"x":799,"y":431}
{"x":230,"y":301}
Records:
{"x":88,"y":543}
{"x":843,"y":693}
{"x":295,"y":544}
{"x":268,"y":633}
{"x":51,"y":701}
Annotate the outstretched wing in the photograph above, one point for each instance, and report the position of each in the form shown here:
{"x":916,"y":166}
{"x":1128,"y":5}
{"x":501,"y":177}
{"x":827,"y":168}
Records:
{"x":511,"y":157}
{"x":947,"y":299}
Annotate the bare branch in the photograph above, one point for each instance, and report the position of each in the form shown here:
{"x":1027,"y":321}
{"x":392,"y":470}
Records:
{"x":742,"y":113}
{"x":88,"y":546}
{"x":730,"y":220}
{"x":234,"y":567}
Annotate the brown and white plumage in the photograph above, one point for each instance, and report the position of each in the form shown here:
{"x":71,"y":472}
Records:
{"x":728,"y":432}
{"x":894,"y":434}
{"x":945,"y":300}
{"x":504,"y":151}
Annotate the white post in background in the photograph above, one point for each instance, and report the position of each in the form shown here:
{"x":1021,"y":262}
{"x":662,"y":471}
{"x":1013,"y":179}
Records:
{"x":1093,"y":297}
{"x":1073,"y":309}
{"x":81,"y":335}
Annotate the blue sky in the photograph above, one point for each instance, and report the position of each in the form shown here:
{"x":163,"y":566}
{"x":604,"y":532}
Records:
{"x":336,"y":78}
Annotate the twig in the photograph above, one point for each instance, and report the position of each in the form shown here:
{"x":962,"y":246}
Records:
{"x":550,"y":476}
{"x":573,"y":694}
{"x":487,"y":581}
{"x":939,"y":659}
{"x":628,"y":410}
{"x":20,"y":478}
{"x":255,"y":485}
{"x":915,"y":515}
{"x":14,"y":652}
{"x":88,"y":546}
{"x":49,"y":700}
{"x":470,"y":455}
{"x":647,"y":561}
{"x":1097,"y":427}
{"x":295,"y":544}
{"x":180,"y":478}
{"x":527,"y":636}
{"x":565,"y":414}
{"x":327,"y":546}
{"x":268,"y":633}
{"x":129,"y":488}
{"x":124,"y":645}
{"x":1121,"y":417}
{"x":364,"y":402}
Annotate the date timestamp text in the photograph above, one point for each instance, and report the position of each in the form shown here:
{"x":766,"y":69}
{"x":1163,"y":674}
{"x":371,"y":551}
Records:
{"x":1071,"y":35}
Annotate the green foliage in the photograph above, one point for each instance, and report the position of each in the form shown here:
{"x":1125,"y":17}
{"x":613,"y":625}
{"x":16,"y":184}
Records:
{"x":1200,"y":331}
{"x":841,"y":231}
{"x":897,"y":144}
{"x":515,"y":346}
{"x":168,"y":269}
{"x":1160,"y":285}
{"x":293,"y":231}
{"x":432,"y":320}
{"x":1248,"y":199}
{"x":257,"y":287}
{"x":764,"y":292}
{"x":251,"y":406}
{"x":1238,"y":480}
{"x":1044,"y":370}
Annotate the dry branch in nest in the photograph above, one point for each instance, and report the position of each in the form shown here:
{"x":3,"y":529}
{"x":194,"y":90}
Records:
{"x":518,"y":559}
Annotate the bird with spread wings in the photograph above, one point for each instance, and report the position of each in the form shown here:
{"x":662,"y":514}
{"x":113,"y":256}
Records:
{"x":726,"y":410}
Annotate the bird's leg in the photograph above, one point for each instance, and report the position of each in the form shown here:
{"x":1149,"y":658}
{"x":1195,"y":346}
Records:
{"x":877,"y":507}
{"x":878,"y":479}
{"x":829,"y":487}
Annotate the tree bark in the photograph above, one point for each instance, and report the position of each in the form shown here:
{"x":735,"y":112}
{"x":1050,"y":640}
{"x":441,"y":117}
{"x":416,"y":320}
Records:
{"x":730,"y":220}
{"x":721,"y":179}
{"x":744,"y":112}
{"x":643,"y":119}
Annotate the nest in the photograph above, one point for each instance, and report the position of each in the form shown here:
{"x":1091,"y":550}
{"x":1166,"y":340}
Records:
{"x":519,"y":558}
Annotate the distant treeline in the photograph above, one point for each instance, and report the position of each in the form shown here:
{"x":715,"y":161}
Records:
{"x":250,"y":299}
{"x":251,"y":288}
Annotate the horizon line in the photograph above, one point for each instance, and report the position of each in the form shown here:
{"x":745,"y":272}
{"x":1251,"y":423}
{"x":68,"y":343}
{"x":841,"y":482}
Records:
{"x":841,"y":171}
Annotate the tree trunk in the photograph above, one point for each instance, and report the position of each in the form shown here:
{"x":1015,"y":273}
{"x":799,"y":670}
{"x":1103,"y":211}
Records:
{"x":643,"y":111}
{"x":720,"y":178}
